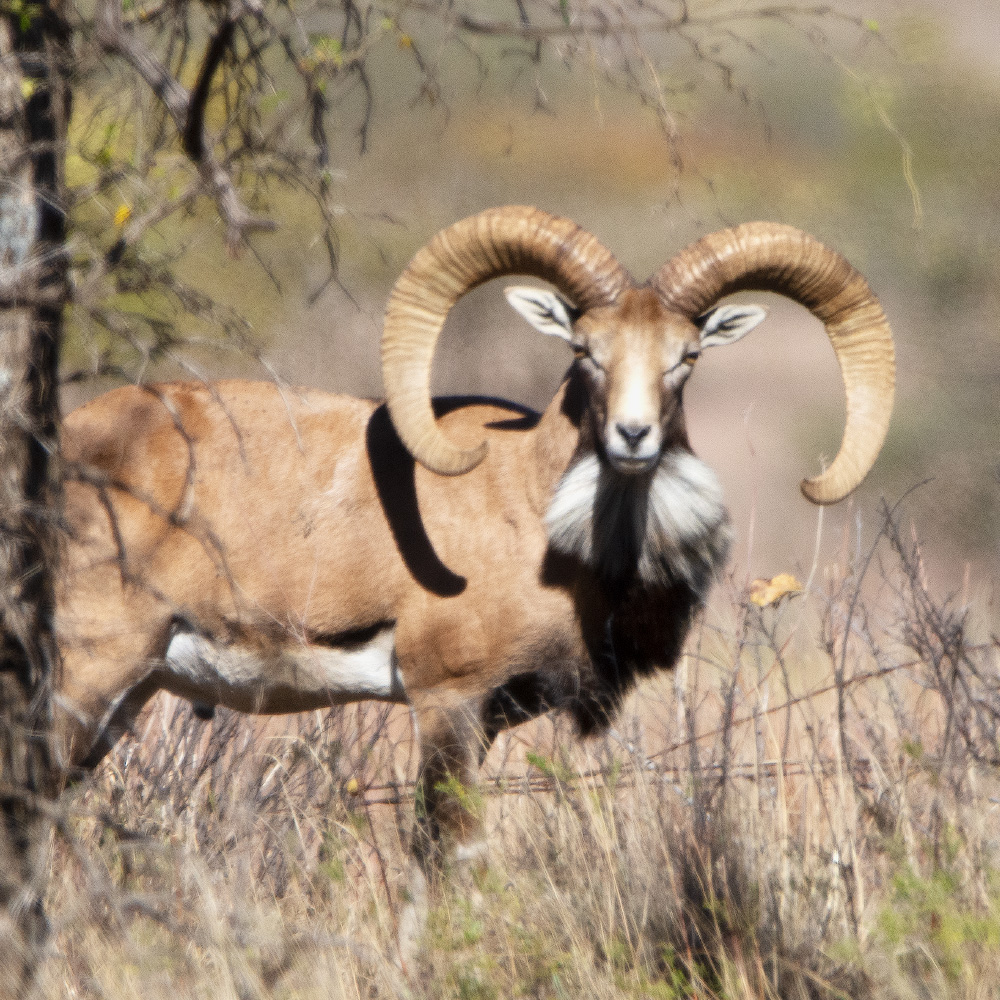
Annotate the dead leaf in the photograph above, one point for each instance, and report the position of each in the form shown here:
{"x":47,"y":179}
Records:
{"x":766,"y":592}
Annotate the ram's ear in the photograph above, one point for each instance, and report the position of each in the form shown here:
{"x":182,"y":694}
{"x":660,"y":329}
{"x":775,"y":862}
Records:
{"x":726,"y":324}
{"x":544,"y":310}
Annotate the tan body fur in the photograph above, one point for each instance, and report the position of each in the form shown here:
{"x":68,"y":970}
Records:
{"x":252,"y":516}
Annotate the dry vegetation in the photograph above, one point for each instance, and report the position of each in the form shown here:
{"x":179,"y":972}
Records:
{"x":805,"y":809}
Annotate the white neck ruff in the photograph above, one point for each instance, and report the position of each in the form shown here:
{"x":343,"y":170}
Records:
{"x":667,"y":527}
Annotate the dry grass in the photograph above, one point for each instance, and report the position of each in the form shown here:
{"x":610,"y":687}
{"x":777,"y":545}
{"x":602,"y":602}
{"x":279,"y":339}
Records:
{"x":806,"y":808}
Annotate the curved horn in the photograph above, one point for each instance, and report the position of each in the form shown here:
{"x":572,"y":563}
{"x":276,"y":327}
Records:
{"x":770,"y":257}
{"x":510,"y":240}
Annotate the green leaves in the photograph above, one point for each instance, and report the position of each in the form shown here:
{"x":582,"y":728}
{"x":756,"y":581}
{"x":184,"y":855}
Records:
{"x":326,"y":51}
{"x":24,"y":12}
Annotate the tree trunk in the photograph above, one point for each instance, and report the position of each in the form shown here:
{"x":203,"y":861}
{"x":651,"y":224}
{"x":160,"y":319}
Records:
{"x":33,"y":291}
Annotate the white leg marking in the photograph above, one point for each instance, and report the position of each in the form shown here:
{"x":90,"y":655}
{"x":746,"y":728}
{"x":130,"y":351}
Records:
{"x":324,"y":673}
{"x":470,"y":852}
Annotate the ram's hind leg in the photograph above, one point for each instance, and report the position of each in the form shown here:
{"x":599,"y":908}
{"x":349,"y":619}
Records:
{"x":448,"y":836}
{"x":111,"y":646}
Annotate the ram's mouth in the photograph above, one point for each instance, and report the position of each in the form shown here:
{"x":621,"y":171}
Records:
{"x":632,"y":465}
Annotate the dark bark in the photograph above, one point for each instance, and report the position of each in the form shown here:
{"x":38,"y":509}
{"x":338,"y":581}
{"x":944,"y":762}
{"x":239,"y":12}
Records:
{"x":33,"y":291}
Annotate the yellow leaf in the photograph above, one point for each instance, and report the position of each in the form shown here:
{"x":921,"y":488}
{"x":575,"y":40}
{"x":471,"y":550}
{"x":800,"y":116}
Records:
{"x":405,"y":42}
{"x":27,"y":87}
{"x":352,"y":786}
{"x":122,"y":215}
{"x":765,"y":592}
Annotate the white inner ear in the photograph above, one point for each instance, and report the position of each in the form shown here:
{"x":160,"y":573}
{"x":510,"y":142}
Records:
{"x":544,"y":310}
{"x":726,"y":324}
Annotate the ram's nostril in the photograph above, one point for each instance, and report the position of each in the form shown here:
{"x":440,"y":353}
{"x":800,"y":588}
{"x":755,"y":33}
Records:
{"x":633,"y":433}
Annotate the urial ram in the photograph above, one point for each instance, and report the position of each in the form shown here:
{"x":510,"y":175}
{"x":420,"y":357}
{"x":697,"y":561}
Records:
{"x":276,"y":551}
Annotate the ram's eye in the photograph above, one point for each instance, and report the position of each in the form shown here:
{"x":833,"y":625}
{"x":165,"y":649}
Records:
{"x":690,"y":358}
{"x":588,"y":363}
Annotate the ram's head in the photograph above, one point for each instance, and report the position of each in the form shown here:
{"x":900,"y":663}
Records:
{"x":635,"y":357}
{"x":636,"y":343}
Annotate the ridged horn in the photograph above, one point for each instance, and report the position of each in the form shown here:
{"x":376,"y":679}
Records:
{"x":767,"y":256}
{"x":514,"y":239}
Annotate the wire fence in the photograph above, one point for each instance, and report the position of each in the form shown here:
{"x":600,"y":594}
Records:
{"x":679,"y":775}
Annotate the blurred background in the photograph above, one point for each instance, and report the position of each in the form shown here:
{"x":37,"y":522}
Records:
{"x":872,"y":125}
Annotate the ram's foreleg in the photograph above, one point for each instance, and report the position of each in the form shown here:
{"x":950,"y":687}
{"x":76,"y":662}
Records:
{"x":448,"y":835}
{"x":449,"y":827}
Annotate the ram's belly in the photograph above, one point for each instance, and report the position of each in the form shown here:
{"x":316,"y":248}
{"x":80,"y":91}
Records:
{"x":288,"y":678}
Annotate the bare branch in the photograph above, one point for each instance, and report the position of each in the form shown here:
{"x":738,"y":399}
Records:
{"x":193,"y":137}
{"x":114,"y":36}
{"x":187,"y":110}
